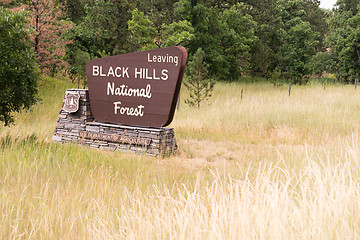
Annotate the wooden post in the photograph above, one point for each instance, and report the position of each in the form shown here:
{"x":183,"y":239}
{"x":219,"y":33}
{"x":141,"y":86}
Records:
{"x":242,"y":90}
{"x":356,"y":81}
{"x":325,"y":84}
{"x":289,"y":89}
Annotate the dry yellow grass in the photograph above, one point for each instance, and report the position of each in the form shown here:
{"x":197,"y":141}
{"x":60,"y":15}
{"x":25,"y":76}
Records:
{"x":266,"y":166}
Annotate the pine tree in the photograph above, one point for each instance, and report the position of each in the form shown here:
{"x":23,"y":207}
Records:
{"x":197,"y":81}
{"x":48,"y":40}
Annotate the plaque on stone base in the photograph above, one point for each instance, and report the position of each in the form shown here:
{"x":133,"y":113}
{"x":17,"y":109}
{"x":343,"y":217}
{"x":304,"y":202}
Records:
{"x":80,"y":127}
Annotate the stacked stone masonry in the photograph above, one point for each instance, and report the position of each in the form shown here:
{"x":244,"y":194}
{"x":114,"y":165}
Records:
{"x":81,"y":128}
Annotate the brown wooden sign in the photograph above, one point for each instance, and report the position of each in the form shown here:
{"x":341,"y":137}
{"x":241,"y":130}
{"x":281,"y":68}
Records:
{"x":137,"y":88}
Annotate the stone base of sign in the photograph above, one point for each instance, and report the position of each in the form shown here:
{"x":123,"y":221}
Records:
{"x":81,"y":128}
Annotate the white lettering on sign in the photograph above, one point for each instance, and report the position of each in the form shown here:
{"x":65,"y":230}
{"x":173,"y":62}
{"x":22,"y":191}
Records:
{"x":130,"y":111}
{"x":165,"y":75}
{"x":111,"y":72}
{"x":124,"y":90}
{"x":145,"y":73}
{"x":163,"y":59}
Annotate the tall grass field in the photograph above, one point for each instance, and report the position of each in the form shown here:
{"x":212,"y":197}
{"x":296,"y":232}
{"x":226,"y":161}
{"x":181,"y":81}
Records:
{"x":261,"y":165}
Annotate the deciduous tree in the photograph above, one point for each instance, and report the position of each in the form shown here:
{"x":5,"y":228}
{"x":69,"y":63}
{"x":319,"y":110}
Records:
{"x":225,"y":35}
{"x":298,"y":40}
{"x":104,"y":28}
{"x":146,"y":36}
{"x":344,"y":39}
{"x":18,"y":69}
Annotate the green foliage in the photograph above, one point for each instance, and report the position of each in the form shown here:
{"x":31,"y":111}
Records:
{"x":159,"y":11}
{"x":77,"y":70}
{"x":317,"y":17}
{"x":239,"y":38}
{"x":142,"y":30}
{"x":75,"y":10}
{"x":145,"y":36}
{"x":289,"y":34}
{"x":18,"y":70}
{"x":197,"y":80}
{"x":276,"y":78}
{"x":104,"y":27}
{"x":323,"y":62}
{"x":83,"y":39}
{"x":298,"y":41}
{"x":254,"y":38}
{"x":226,"y":36}
{"x":344,"y":39}
{"x":177,"y":33}
{"x":263,"y":54}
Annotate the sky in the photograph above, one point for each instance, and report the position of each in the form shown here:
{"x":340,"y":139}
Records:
{"x":328,"y":4}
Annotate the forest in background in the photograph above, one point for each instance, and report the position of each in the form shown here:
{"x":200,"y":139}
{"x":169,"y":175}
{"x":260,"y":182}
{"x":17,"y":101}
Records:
{"x":273,"y":39}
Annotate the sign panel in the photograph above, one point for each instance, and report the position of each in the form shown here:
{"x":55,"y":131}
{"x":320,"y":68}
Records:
{"x":71,"y":103}
{"x":137,"y":88}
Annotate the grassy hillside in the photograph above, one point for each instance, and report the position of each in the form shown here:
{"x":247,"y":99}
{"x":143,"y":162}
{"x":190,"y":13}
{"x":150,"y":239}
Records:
{"x":264,"y":166}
